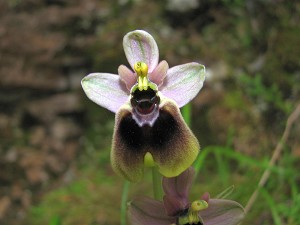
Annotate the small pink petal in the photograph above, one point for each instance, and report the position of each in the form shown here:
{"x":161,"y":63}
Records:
{"x":106,"y":90}
{"x":159,"y":73}
{"x":140,"y":46}
{"x":127,"y":76}
{"x":183,"y":82}
{"x":205,"y":197}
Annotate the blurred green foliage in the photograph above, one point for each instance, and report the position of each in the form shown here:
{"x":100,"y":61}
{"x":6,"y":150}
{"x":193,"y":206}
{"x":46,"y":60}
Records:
{"x":254,"y":88}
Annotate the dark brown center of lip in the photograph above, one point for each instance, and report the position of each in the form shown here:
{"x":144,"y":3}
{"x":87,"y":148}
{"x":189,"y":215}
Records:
{"x":144,"y":101}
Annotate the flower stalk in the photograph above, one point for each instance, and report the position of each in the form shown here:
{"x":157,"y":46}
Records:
{"x":156,"y":181}
{"x":124,"y":201}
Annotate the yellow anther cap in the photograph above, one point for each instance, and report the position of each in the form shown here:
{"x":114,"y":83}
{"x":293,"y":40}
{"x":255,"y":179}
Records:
{"x":141,"y":69}
{"x":198,"y":205}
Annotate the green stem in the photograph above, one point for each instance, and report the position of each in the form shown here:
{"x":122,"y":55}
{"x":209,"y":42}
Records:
{"x":186,"y":113}
{"x":156,"y":180}
{"x":124,"y":202}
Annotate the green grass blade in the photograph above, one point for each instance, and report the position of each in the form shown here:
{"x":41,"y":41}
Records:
{"x":272,"y":204}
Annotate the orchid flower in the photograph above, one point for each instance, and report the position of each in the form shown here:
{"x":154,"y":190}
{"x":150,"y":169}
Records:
{"x":177,"y":210}
{"x":149,"y":129}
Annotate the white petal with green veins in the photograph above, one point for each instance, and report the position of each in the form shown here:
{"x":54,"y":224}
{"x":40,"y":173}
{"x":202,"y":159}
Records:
{"x":183,"y":82}
{"x":106,"y":90}
{"x":140,"y":46}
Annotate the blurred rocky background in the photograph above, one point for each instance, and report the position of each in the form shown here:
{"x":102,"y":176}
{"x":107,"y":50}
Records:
{"x":50,"y":133}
